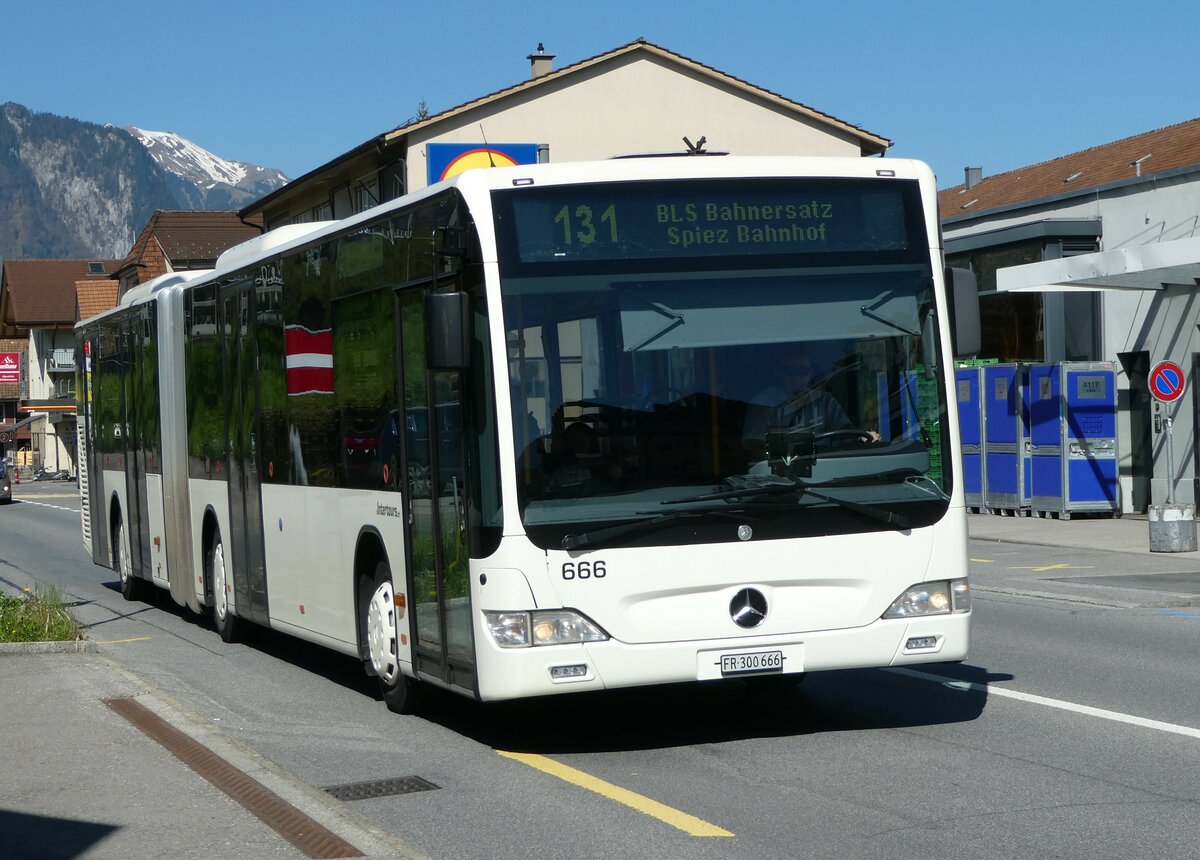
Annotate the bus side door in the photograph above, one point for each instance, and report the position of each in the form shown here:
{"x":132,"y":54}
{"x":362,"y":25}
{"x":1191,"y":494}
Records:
{"x":239,"y":374}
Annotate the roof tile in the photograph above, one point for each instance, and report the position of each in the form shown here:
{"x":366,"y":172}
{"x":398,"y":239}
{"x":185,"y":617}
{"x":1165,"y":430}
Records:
{"x":1157,"y":151}
{"x":42,"y":292}
{"x":96,"y":297}
{"x":192,"y":234}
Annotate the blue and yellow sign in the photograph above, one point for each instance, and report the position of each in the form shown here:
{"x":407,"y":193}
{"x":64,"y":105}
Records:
{"x":449,"y":159}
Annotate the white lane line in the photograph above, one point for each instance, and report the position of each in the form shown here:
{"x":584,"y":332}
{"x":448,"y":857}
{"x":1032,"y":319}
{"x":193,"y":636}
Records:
{"x":1086,"y":710}
{"x":45,"y":505}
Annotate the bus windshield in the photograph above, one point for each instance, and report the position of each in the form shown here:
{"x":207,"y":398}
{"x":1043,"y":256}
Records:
{"x":680,"y":352}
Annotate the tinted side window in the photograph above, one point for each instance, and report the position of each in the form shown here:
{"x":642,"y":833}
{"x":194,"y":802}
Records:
{"x":205,"y":398}
{"x":274,"y":449}
{"x":307,"y":284}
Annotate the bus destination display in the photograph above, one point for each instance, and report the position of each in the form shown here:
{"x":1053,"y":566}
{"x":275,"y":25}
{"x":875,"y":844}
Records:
{"x":687,"y":219}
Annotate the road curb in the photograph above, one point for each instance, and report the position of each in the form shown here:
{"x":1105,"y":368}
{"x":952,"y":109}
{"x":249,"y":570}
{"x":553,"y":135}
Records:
{"x":83,"y":646}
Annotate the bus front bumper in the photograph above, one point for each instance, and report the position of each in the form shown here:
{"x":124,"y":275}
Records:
{"x":507,"y":673}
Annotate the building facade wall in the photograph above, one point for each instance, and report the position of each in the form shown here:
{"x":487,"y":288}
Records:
{"x":54,"y":435}
{"x":1162,"y":324}
{"x":604,"y":112}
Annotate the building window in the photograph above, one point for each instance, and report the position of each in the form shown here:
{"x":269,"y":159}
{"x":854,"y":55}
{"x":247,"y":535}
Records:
{"x":367,"y":193}
{"x":342,"y":203}
{"x":1031,"y":326}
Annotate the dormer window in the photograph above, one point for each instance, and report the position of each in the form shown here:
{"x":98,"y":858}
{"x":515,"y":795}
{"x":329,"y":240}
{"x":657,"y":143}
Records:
{"x":95,"y":268}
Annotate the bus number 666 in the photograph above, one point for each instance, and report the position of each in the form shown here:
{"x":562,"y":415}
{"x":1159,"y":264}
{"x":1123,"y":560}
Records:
{"x":583,"y":570}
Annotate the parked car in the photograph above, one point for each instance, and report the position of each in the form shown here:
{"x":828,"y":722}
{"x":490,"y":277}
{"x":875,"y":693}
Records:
{"x":5,"y":483}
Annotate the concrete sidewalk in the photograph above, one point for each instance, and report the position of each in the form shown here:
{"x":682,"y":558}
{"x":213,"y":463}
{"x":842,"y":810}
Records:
{"x":79,"y":780}
{"x":1110,"y":563}
{"x":1130,"y":533}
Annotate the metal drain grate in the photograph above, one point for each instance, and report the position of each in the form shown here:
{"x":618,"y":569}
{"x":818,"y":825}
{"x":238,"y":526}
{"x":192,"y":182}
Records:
{"x":380,"y":788}
{"x":289,"y":822}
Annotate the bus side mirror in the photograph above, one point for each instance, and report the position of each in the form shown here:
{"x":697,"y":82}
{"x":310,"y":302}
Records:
{"x":962,"y":293}
{"x":447,"y":331}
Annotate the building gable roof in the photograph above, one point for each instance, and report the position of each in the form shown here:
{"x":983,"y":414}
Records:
{"x":42,"y":292}
{"x":1152,"y":152}
{"x":190,"y":235}
{"x":871,"y":143}
{"x":95,"y":297}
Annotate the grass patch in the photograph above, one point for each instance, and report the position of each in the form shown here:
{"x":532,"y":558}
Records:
{"x":37,"y":617}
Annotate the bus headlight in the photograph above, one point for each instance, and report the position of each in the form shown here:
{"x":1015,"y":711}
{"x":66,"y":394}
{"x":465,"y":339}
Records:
{"x":932,"y":598}
{"x":542,"y":627}
{"x":509,"y":629}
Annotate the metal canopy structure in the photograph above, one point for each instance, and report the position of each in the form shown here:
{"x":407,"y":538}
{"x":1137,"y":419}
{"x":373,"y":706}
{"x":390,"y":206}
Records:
{"x":1144,"y":267}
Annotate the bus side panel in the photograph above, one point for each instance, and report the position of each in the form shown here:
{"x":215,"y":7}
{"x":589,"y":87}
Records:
{"x":310,"y":535}
{"x":205,"y":495}
{"x":158,"y":560}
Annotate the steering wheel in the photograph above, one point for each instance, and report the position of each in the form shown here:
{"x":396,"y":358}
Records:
{"x":831,"y":437}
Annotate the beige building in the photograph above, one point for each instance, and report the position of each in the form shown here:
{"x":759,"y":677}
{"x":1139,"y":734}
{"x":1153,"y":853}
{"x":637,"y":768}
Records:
{"x":639,"y":98}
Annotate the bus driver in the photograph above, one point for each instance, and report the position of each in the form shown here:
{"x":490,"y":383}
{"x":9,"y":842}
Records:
{"x":792,"y":403}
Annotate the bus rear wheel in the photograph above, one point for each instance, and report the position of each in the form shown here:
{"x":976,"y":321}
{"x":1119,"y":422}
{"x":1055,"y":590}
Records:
{"x":400,"y":693}
{"x":228,"y":625}
{"x":132,"y":588}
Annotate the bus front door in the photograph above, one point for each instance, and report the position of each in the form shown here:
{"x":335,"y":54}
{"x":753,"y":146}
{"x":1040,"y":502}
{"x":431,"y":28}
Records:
{"x":244,"y":545}
{"x":435,"y":495}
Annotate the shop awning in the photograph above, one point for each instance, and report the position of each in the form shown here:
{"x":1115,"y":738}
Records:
{"x":1142,"y":267}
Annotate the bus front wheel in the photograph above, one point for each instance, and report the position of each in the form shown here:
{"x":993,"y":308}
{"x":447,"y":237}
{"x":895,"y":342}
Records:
{"x":399,"y":691}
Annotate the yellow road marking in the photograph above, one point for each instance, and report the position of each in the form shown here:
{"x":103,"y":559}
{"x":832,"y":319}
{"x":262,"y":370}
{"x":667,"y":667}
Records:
{"x":1056,"y":567}
{"x":689,"y":824}
{"x":123,"y":641}
{"x":984,"y":560}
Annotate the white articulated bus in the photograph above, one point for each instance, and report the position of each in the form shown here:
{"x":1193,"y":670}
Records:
{"x":534,"y":430}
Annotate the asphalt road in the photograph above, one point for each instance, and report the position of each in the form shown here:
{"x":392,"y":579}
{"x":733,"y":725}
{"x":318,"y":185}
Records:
{"x":1072,"y":731}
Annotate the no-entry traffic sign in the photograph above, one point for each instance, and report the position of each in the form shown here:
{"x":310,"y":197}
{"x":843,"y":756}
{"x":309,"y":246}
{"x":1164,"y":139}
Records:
{"x":1167,"y":382}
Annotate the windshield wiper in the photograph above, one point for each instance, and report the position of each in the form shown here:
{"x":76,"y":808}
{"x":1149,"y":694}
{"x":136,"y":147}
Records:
{"x":778,"y":485}
{"x":774,"y":487}
{"x":896,"y":520}
{"x":579,"y":541}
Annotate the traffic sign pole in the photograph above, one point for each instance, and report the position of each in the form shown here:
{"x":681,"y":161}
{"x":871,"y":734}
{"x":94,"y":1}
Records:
{"x":1170,"y":464}
{"x":1167,"y":384}
{"x":1172,"y":526}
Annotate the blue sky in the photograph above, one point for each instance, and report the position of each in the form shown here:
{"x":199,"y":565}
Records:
{"x":294,"y":84}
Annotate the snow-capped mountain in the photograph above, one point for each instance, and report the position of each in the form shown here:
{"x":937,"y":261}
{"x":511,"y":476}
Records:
{"x":218,"y":182}
{"x":70,"y":188}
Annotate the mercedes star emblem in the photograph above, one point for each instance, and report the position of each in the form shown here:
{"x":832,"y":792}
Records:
{"x":748,"y":608}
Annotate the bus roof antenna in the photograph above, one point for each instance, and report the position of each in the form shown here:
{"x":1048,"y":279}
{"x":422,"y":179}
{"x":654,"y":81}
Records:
{"x":486,"y":147}
{"x":696,"y":148}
